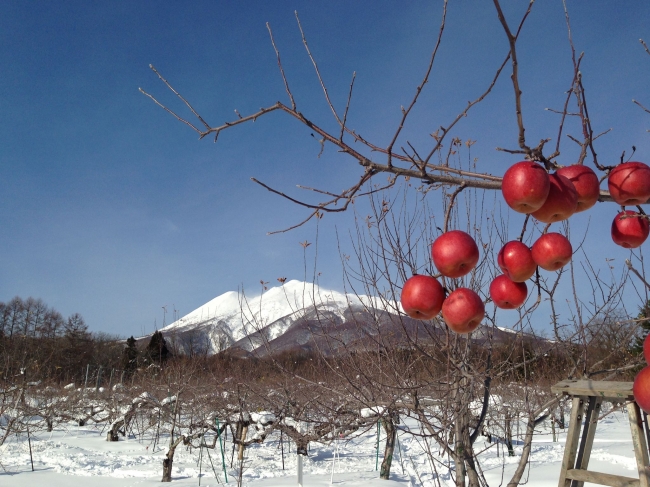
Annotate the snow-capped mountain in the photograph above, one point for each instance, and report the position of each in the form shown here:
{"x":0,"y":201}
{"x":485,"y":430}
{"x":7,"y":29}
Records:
{"x":232,"y":317}
{"x":303,"y":316}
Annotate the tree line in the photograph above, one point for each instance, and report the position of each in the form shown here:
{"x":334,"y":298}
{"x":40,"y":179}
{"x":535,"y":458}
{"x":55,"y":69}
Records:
{"x":38,"y":343}
{"x":37,"y":340}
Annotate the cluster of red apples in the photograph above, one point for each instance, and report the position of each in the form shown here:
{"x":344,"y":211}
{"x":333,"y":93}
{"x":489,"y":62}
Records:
{"x":527,"y":188}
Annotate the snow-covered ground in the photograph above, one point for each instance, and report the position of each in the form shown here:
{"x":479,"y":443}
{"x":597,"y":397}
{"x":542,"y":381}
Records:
{"x":73,"y":456}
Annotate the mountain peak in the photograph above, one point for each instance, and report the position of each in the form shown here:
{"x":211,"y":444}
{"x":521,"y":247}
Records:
{"x":241,"y":311}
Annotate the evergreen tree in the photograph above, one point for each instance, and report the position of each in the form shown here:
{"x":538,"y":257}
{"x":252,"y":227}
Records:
{"x":130,"y":357}
{"x":77,"y":343}
{"x":157,"y":351}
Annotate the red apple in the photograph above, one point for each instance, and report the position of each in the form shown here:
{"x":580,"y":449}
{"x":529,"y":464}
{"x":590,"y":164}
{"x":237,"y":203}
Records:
{"x":630,"y":229}
{"x":508,"y":294}
{"x":641,"y":389}
{"x":561,"y":202}
{"x":463,"y":310}
{"x":516,"y":261}
{"x":646,"y":348}
{"x":629,"y":183}
{"x":552,"y":251}
{"x":454,"y":253}
{"x":525,"y":186}
{"x":586,"y":183}
{"x":422,"y":297}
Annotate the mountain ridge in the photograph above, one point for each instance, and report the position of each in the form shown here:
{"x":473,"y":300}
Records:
{"x":300,"y":316}
{"x":231,"y":317}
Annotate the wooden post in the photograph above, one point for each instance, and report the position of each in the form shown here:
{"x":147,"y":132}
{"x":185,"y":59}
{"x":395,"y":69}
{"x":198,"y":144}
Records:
{"x":639,"y":441}
{"x":646,"y":428}
{"x":573,"y":435}
{"x":587,"y":440}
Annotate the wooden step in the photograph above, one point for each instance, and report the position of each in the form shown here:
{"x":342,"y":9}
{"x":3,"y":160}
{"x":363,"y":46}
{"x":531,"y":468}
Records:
{"x":601,"y":478}
{"x":617,"y":391}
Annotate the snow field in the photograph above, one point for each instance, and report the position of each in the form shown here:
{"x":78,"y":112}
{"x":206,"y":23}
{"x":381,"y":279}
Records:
{"x":73,"y":456}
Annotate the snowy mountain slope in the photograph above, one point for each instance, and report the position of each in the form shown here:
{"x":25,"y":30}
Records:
{"x":302,"y":316}
{"x":231,"y":317}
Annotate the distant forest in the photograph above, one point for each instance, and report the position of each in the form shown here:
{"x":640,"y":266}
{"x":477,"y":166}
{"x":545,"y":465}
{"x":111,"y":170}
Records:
{"x":38,"y":343}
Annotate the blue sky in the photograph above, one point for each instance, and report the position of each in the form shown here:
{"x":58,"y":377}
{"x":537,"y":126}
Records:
{"x":111,"y":208}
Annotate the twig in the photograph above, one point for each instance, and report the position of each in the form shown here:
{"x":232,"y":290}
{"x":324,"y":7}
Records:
{"x":576,"y":71}
{"x":589,"y":129}
{"x":169,"y":111}
{"x":179,"y":96}
{"x":602,"y":133}
{"x":284,"y":78}
{"x":523,"y":230}
{"x":636,"y":273}
{"x":320,"y":79}
{"x":253,"y":117}
{"x":487,"y":177}
{"x":317,"y":190}
{"x":293,"y":200}
{"x":347,"y":195}
{"x":347,"y":106}
{"x":515,"y":70}
{"x":645,"y":46}
{"x":559,"y":112}
{"x":452,"y":199}
{"x":639,"y":104}
{"x":293,"y":227}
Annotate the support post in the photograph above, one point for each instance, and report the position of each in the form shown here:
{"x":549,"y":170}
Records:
{"x":572,"y":438}
{"x":29,"y":441}
{"x":639,"y":442}
{"x":223,"y":457}
{"x":99,"y":378}
{"x":200,"y":459}
{"x":588,"y":432}
{"x":336,"y":450}
{"x":282,"y":448}
{"x":377,"y":459}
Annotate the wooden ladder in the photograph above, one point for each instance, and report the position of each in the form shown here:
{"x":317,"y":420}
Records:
{"x":587,"y":397}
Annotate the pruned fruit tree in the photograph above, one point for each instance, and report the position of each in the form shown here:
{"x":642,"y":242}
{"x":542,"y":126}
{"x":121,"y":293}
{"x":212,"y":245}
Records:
{"x":456,"y":252}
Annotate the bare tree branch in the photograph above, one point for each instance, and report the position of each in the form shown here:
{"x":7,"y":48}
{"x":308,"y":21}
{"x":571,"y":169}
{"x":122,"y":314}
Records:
{"x":347,"y":106}
{"x":320,"y":78}
{"x":512,"y":40}
{"x":169,"y":111}
{"x":284,"y":78}
{"x":179,"y":96}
